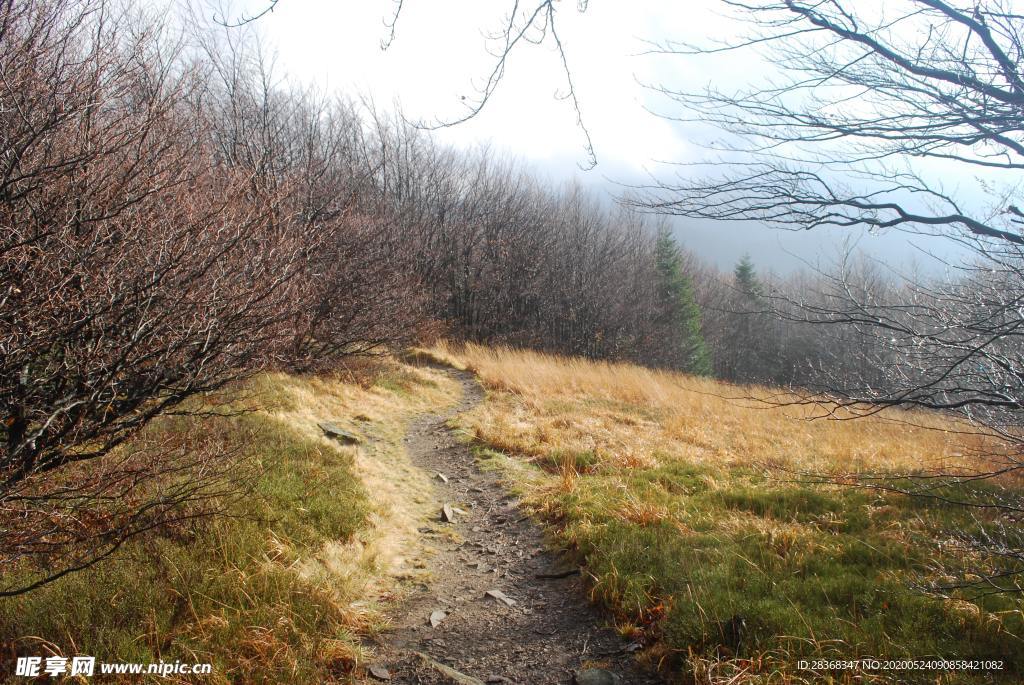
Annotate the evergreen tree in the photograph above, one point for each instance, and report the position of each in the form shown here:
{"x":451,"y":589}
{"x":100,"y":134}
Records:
{"x":746,"y":278}
{"x":680,"y":313}
{"x":752,"y":351}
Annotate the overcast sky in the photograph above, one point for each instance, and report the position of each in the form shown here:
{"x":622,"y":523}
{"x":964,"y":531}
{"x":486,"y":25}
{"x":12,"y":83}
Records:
{"x":439,"y":55}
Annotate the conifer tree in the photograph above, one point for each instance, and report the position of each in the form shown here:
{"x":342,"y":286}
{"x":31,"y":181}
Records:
{"x":752,"y":353}
{"x":746,"y":278}
{"x":680,"y":314}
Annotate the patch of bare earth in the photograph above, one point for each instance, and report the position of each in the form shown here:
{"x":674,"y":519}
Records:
{"x":496,"y":606}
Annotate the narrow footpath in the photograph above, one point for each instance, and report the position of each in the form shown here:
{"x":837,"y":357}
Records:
{"x":496,"y":607}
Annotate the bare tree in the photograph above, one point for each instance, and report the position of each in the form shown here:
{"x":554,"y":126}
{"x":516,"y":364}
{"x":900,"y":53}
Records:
{"x":862,"y":93}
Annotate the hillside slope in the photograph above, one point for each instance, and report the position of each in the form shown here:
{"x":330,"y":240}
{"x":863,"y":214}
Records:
{"x":688,"y":507}
{"x":681,"y":500}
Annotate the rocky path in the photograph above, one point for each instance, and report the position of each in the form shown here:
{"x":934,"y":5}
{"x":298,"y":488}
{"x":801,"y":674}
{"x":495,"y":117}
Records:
{"x":497,"y":607}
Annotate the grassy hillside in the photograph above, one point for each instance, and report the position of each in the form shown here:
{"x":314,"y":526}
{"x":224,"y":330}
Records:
{"x":685,"y":506}
{"x":678,"y":502}
{"x":282,"y":590}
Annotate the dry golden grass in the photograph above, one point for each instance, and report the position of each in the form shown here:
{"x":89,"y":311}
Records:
{"x":630,"y":415}
{"x":388,"y":546}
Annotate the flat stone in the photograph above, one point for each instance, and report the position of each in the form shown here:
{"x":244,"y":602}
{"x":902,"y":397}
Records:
{"x":343,"y":436}
{"x":436,"y":617}
{"x":447,"y":513}
{"x":501,"y":596}
{"x":379,"y":672}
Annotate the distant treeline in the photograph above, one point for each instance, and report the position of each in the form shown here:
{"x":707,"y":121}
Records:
{"x":413,"y":236}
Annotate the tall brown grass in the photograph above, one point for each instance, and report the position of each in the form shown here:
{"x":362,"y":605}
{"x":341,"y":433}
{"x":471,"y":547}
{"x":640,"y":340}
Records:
{"x":632,"y":414}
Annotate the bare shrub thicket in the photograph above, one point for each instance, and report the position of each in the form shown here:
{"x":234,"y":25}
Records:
{"x":306,"y":157}
{"x":146,"y":261}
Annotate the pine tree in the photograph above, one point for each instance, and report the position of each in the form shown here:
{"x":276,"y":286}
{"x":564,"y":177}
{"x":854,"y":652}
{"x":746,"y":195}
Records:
{"x":751,"y":349}
{"x":746,"y":278}
{"x":681,"y":315}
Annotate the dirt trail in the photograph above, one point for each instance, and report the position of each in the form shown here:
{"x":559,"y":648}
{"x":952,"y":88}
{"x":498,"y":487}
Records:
{"x":550,"y":631}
